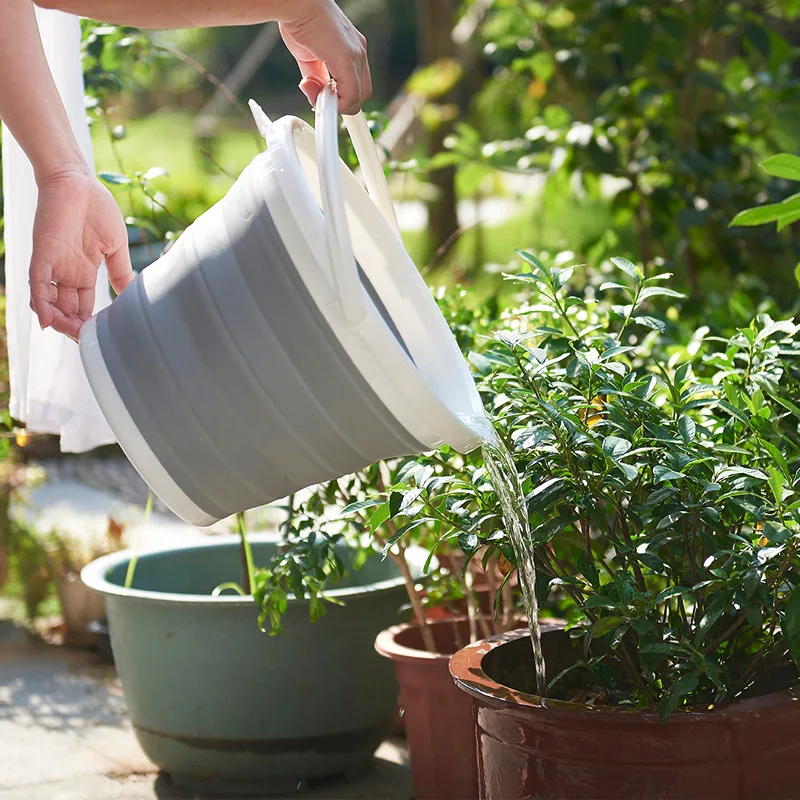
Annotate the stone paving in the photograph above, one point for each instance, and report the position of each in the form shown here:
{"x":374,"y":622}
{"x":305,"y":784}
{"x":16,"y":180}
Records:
{"x":64,"y":732}
{"x":64,"y":735}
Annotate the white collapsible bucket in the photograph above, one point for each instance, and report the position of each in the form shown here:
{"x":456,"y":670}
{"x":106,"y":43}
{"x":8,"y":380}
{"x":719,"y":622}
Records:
{"x":275,"y":346}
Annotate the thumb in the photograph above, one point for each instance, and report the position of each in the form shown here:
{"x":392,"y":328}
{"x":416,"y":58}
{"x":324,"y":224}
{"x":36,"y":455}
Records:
{"x":118,"y":266}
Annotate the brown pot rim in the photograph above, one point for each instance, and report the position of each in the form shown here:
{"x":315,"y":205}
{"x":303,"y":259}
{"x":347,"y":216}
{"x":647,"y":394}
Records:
{"x":386,"y":643}
{"x":466,"y":668}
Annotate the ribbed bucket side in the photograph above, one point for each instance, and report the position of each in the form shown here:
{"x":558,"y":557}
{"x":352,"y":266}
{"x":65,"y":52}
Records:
{"x":231,"y":373}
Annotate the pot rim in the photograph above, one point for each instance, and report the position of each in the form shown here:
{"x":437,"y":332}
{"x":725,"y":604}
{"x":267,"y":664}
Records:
{"x":94,"y":575}
{"x":466,"y":669}
{"x":386,"y":643}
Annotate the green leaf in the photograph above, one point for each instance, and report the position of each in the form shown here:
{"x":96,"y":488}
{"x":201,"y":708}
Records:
{"x":659,"y":495}
{"x":783,"y":165}
{"x":395,"y":501}
{"x":608,"y":285}
{"x":791,"y":625}
{"x":661,"y":649}
{"x":662,"y":473}
{"x":400,"y":532}
{"x":155,"y":172}
{"x":596,"y":601}
{"x":713,"y":613}
{"x":670,"y":592}
{"x":686,"y":684}
{"x":615,"y":447}
{"x":777,"y":456}
{"x":564,"y":672}
{"x":776,"y":484}
{"x":788,"y":219}
{"x":545,"y":487}
{"x":628,"y":268}
{"x":651,"y":561}
{"x":630,"y":471}
{"x":658,"y":291}
{"x":605,"y":625}
{"x":729,"y":472}
{"x":651,"y":322}
{"x":757,"y":216}
{"x":588,"y":570}
{"x":468,"y":542}
{"x":353,"y":507}
{"x":733,"y":411}
{"x":534,"y":262}
{"x":482,"y":364}
{"x":776,"y":533}
{"x":379,"y":516}
{"x":688,"y":428}
{"x":116,"y":178}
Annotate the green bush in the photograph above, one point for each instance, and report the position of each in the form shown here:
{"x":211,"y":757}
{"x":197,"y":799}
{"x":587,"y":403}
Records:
{"x":661,"y":485}
{"x":678,"y":101}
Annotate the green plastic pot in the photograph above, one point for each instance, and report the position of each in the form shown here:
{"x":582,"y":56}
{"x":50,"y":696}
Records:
{"x":220,"y":705}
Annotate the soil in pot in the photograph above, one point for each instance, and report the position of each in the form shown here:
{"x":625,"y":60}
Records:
{"x":553,"y":749}
{"x":437,"y":717}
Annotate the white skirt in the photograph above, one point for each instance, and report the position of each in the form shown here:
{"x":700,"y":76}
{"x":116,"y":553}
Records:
{"x":49,"y":389}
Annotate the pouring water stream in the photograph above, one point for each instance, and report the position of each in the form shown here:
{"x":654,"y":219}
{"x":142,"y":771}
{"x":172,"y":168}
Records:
{"x":508,"y":487}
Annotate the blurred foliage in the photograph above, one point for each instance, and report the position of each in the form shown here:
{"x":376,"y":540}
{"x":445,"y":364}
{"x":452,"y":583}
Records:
{"x":785,"y":212}
{"x":677,"y":101}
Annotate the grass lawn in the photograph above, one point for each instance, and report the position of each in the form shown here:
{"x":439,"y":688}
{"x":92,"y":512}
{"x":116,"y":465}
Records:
{"x":554,"y":221}
{"x":166,"y":139}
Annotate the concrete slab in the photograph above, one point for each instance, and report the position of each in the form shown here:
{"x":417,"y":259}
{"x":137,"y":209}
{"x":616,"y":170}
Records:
{"x":64,"y":735}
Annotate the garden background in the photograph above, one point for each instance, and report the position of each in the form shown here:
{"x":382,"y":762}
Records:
{"x":574,"y":131}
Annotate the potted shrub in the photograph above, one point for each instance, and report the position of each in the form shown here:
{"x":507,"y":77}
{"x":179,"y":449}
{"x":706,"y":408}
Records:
{"x":399,"y":509}
{"x":660,"y":483}
{"x":219,"y":704}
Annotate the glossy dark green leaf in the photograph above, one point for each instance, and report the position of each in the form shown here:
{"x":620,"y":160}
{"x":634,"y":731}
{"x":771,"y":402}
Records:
{"x":791,"y":625}
{"x":685,"y":685}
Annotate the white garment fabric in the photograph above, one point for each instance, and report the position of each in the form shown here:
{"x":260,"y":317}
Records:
{"x":49,"y":389}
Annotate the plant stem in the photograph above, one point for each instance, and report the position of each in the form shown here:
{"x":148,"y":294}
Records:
{"x":248,"y":578}
{"x":416,"y":602}
{"x":135,"y":557}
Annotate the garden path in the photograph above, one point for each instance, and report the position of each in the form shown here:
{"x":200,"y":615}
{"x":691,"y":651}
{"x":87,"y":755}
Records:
{"x":65,"y":735}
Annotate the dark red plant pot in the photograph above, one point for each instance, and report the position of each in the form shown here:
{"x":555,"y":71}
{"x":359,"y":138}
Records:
{"x":437,"y":716}
{"x":534,"y":748}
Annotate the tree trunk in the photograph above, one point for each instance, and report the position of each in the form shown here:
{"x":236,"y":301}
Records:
{"x":435,"y":24}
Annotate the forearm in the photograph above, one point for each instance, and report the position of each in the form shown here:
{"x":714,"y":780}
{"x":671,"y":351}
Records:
{"x":164,"y":14}
{"x":30,"y":105}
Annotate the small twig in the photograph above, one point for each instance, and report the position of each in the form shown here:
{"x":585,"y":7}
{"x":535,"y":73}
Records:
{"x":216,"y":163}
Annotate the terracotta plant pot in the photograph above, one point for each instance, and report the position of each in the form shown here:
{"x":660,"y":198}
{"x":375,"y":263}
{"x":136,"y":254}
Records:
{"x":532,"y":748}
{"x":438,"y":718}
{"x":80,"y":606}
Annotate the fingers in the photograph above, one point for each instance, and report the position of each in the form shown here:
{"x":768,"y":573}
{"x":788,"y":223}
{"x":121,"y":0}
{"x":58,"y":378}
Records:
{"x":69,"y":326}
{"x":366,"y":74}
{"x":42,"y":290}
{"x":311,"y":67}
{"x":329,"y":46}
{"x":85,"y":303}
{"x":120,"y":271}
{"x":352,"y":75}
{"x":311,"y":87}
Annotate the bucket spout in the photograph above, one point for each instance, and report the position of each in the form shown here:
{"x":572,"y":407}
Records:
{"x":482,"y":429}
{"x":263,"y":122}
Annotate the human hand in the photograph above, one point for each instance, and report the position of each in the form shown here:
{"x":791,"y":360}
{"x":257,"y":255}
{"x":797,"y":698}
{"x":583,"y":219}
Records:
{"x":326,"y":44}
{"x":77,"y":226}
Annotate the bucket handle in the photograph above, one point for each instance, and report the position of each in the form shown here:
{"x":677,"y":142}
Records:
{"x":337,"y":232}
